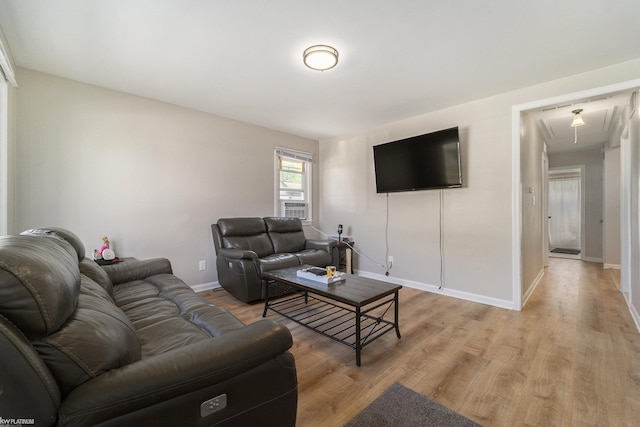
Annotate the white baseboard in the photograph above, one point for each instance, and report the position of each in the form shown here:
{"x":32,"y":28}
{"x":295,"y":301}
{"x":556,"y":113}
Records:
{"x":448,"y":292}
{"x":613,"y":266}
{"x":205,"y":286}
{"x":532,"y":287}
{"x":634,"y":313}
{"x":592,"y":259}
{"x":435,"y":289}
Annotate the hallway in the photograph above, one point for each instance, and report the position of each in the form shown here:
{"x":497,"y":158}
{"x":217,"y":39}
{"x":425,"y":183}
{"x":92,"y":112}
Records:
{"x":593,"y":327}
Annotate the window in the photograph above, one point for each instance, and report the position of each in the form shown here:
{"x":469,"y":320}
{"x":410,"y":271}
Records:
{"x":7,"y":77}
{"x":4,"y":154}
{"x":293,"y":183}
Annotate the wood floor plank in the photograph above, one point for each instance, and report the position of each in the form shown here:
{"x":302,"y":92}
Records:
{"x":548,"y":382}
{"x":501,"y":383}
{"x":593,"y":384}
{"x":571,"y":357}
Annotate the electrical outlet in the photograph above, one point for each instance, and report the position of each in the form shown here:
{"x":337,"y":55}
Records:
{"x":390,"y":259}
{"x":203,"y":265}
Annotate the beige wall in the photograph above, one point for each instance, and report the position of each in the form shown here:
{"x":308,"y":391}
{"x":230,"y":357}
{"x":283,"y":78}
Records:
{"x":532,"y":193}
{"x":478,"y":218}
{"x":150,"y":175}
{"x":612,"y":241}
{"x":634,"y":214}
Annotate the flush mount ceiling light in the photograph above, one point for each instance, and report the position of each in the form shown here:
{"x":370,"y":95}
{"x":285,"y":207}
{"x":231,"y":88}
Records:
{"x":320,"y":57}
{"x":577,"y":122}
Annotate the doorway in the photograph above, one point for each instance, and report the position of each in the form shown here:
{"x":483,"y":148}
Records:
{"x":517,"y":183}
{"x":565,"y":212}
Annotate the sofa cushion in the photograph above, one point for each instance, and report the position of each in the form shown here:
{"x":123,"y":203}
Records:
{"x":98,"y":337}
{"x":286,"y":234}
{"x":246,"y":234}
{"x":168,"y":315}
{"x":277,"y":261}
{"x":316,"y":257}
{"x":39,"y":283}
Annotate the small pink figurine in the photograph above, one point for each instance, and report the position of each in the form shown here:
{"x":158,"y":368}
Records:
{"x":105,"y":245}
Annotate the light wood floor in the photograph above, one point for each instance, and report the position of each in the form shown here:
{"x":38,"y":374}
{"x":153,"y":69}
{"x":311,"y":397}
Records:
{"x":570,"y":358}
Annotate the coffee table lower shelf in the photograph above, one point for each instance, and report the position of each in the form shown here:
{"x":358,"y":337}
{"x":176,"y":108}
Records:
{"x":352,"y":326}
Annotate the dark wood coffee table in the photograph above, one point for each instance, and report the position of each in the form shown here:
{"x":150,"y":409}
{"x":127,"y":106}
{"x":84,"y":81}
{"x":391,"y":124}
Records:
{"x":351,"y":311}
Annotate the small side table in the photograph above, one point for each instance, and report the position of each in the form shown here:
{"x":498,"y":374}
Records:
{"x":345,"y":255}
{"x":120,"y":261}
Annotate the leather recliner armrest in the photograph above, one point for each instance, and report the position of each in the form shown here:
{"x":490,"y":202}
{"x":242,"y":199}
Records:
{"x":237,"y":254}
{"x":176,"y":373}
{"x":133,"y":269}
{"x":325,"y":245}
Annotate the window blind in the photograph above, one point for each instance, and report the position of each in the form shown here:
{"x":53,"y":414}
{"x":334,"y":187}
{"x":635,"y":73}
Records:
{"x":294,"y":154}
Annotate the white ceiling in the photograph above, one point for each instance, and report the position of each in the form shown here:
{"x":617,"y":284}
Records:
{"x":243,"y":59}
{"x":602,"y":117}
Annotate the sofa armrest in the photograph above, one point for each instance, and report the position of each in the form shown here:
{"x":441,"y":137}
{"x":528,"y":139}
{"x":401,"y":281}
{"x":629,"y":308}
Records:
{"x":161,"y":378}
{"x":133,"y":269}
{"x":325,"y":245}
{"x":237,"y":254}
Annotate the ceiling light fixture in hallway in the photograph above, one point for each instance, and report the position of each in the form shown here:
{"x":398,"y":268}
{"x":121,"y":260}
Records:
{"x":577,"y":122}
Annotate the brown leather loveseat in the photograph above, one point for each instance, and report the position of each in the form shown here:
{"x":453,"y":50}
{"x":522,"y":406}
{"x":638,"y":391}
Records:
{"x":248,"y":247}
{"x":129,"y":345}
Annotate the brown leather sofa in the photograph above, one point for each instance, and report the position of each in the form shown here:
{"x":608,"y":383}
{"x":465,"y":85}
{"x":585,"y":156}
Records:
{"x":248,"y":247}
{"x":130,"y":344}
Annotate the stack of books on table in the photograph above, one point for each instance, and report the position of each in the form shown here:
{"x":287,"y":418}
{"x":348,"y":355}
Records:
{"x":318,"y":274}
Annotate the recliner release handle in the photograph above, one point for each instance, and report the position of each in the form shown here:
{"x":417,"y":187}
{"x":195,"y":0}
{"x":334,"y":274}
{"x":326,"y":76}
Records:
{"x":213,"y":405}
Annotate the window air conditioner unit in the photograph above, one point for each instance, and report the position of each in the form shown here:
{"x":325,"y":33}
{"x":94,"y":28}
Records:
{"x":294,"y":209}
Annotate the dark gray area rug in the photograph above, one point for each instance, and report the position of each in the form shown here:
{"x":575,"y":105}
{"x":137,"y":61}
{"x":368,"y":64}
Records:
{"x":565,"y":251}
{"x":399,"y":406}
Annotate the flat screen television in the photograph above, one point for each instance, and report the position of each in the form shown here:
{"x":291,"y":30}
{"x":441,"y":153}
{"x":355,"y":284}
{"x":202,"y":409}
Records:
{"x":421,"y":162}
